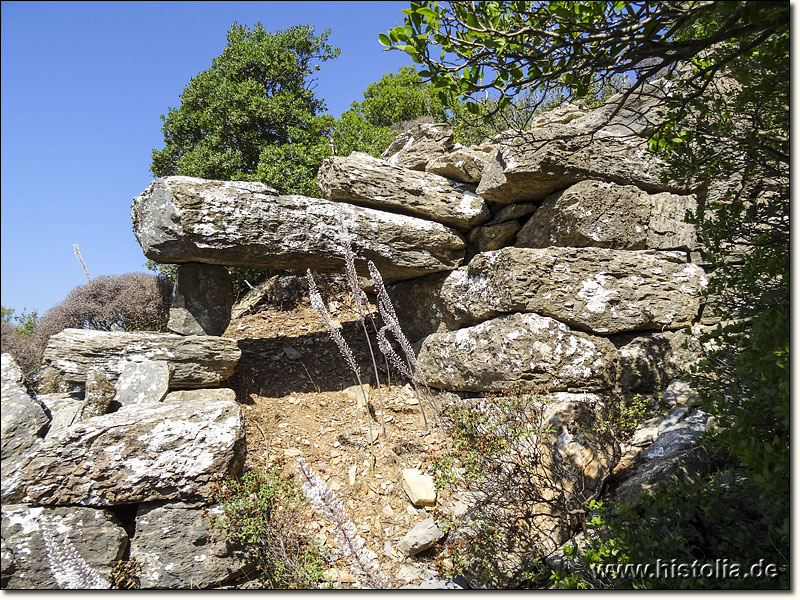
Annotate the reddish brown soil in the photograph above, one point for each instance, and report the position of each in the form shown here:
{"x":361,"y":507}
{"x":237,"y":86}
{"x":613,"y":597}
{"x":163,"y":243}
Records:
{"x":292,"y":382}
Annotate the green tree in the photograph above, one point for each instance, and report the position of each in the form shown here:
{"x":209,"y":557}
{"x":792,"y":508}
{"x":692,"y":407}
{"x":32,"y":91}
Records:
{"x":725,"y":135}
{"x":252,"y":116}
{"x":368,"y":125}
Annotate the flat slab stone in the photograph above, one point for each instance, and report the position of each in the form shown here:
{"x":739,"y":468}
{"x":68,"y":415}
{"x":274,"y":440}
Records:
{"x":598,"y":290}
{"x":522,"y":348}
{"x":172,"y":450}
{"x":245,"y":224}
{"x":530,"y":166}
{"x":368,"y":181}
{"x":608,"y":215}
{"x":196,"y":361}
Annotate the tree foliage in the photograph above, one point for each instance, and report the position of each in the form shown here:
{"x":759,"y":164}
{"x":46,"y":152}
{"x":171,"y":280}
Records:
{"x":725,"y":135}
{"x":251,"y":116}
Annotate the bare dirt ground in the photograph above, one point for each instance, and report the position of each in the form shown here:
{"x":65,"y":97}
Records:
{"x":300,"y":400}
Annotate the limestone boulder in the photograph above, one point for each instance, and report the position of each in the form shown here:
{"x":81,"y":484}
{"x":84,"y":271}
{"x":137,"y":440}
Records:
{"x":521,"y":348}
{"x":196,"y":361}
{"x":201,"y":301}
{"x":651,"y":361}
{"x":95,"y":535}
{"x":173,"y":548}
{"x":598,"y":290}
{"x":413,"y":148}
{"x":364,"y":180}
{"x":245,"y":224}
{"x":492,"y":237}
{"x":607,"y":215}
{"x":421,"y":537}
{"x":530,"y":166}
{"x":171,"y":450}
{"x":24,"y":424}
{"x":462,"y":164}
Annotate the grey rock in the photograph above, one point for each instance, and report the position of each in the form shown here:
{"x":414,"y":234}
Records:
{"x":96,"y":535}
{"x":364,"y":180}
{"x":172,"y":548}
{"x":172,"y":450}
{"x":532,"y":165}
{"x":492,"y":237}
{"x":594,"y":289}
{"x":681,"y":393}
{"x":246,"y":224}
{"x":413,"y":148}
{"x":196,"y":361}
{"x":560,"y":115}
{"x":512,"y":212}
{"x":99,"y":394}
{"x":680,"y":430}
{"x":463,"y":164}
{"x":421,"y":537}
{"x":65,"y":409}
{"x":607,"y":215}
{"x":143,"y":382}
{"x":686,"y":465}
{"x":24,"y":424}
{"x":201,"y":301}
{"x":652,"y":361}
{"x":526,"y":349}
{"x":638,"y":112}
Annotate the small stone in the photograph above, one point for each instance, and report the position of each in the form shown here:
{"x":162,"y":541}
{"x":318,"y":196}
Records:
{"x":387,"y":511}
{"x":351,"y":472}
{"x":291,"y":452}
{"x":420,"y":538}
{"x":292,"y":354}
{"x":420,"y":488}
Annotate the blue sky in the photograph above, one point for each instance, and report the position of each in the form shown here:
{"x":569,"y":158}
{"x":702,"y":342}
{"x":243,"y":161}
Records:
{"x":83,"y":87}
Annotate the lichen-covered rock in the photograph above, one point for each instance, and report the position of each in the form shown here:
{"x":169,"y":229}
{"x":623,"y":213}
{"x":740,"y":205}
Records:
{"x":530,"y":166}
{"x":172,"y":546}
{"x":96,"y":535}
{"x":143,"y":382}
{"x":196,"y":361}
{"x":607,"y":215}
{"x":594,"y":289}
{"x":413,"y":148}
{"x":172,"y":450}
{"x":99,"y":393}
{"x":247,"y":224}
{"x":462,"y":164}
{"x":651,"y":361}
{"x":24,"y":424}
{"x":527,"y":349}
{"x":364,"y":180}
{"x":201,"y":301}
{"x":65,"y":409}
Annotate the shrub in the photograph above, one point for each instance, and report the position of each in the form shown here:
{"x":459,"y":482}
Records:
{"x":130,"y":302}
{"x":261,"y":512}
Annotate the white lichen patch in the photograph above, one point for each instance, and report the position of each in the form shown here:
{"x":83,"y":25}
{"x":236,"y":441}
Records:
{"x":595,"y":295}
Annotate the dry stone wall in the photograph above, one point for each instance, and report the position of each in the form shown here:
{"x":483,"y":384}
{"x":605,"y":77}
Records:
{"x":556,"y":258}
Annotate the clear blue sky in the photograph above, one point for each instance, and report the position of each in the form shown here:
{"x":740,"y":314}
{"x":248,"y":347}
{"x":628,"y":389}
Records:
{"x":83,"y":87}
